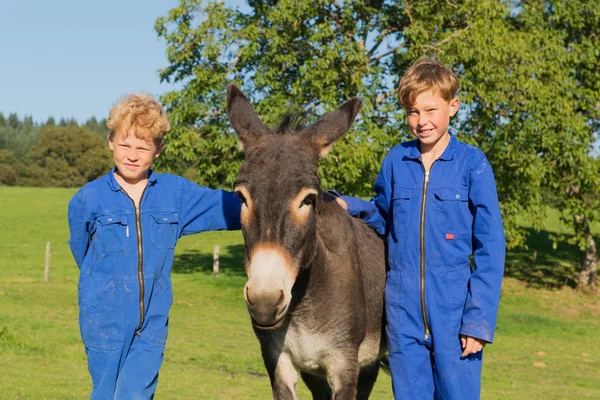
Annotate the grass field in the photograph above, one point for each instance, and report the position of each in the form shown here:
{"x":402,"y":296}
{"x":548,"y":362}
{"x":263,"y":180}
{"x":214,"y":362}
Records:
{"x":547,"y":342}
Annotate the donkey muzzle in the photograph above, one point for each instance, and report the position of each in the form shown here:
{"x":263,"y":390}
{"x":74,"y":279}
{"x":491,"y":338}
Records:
{"x":267,"y":309}
{"x":268,"y":291}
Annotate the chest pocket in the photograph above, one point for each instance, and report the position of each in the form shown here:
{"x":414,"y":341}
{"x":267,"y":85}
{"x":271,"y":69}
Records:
{"x":452,"y":210}
{"x":113,"y":232}
{"x":164,"y":229}
{"x":400,"y":208}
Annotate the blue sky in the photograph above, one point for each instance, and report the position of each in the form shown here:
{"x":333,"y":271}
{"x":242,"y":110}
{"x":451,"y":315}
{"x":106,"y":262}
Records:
{"x":74,"y":58}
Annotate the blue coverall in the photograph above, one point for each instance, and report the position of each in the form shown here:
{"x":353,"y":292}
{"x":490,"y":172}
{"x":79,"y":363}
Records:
{"x":125,"y":257}
{"x":433,"y":223}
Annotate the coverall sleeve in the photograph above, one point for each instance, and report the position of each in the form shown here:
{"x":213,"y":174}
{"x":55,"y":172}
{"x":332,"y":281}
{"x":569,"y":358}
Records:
{"x":375,"y":212}
{"x":481,"y":308}
{"x":205,"y":209}
{"x":79,"y":239}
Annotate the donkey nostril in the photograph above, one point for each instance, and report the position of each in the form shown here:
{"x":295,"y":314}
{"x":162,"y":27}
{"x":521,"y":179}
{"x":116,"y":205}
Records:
{"x":248,"y":295}
{"x":280,"y":298}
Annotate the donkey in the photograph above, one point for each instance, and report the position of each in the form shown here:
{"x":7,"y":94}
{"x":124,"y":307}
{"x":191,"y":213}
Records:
{"x":316,"y":276}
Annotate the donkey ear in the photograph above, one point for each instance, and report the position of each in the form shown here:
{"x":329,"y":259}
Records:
{"x":242,"y":116}
{"x":333,"y":125}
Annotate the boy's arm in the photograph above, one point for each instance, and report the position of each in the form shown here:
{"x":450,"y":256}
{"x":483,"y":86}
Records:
{"x":481,"y":308}
{"x":375,"y":212}
{"x":205,"y":209}
{"x":79,"y":239}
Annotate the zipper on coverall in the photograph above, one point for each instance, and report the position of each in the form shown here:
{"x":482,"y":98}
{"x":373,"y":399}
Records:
{"x":422,"y":243}
{"x":138,"y":227}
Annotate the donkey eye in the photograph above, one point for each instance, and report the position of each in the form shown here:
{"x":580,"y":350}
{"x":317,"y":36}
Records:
{"x":309,"y":200}
{"x":241,"y":196}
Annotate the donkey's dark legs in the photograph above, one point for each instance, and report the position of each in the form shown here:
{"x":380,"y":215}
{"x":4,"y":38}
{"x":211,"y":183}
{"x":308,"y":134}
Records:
{"x":282,"y":373}
{"x":366,"y":381}
{"x":318,"y":385}
{"x":343,"y":375}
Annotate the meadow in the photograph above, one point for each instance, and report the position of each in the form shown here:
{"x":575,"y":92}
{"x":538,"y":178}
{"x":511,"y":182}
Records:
{"x":547,"y":342}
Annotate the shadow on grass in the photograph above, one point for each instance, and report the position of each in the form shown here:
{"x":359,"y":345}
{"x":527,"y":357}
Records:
{"x":538,"y":266}
{"x":231,"y":261}
{"x":542,"y":266}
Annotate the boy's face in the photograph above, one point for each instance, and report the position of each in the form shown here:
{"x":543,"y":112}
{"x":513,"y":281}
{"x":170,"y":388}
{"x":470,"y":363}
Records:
{"x":429,"y":117}
{"x":133,"y":157}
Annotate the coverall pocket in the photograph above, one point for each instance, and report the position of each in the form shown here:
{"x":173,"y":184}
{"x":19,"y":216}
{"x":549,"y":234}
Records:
{"x":113,"y":232}
{"x":158,"y":311}
{"x":400,"y":208}
{"x":393,"y":293}
{"x":101,"y":321}
{"x":164,"y":229}
{"x":457,"y":284}
{"x":452,"y":210}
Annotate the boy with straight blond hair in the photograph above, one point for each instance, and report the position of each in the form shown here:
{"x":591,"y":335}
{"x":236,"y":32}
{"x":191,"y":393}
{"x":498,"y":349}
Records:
{"x":124,"y":227}
{"x":437,"y":204}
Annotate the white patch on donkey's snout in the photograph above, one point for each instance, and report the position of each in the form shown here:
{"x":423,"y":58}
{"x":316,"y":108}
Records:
{"x":270,"y":272}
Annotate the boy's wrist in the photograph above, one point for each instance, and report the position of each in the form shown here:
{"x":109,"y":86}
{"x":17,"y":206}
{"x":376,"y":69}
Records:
{"x":477,"y":334}
{"x":352,"y":203}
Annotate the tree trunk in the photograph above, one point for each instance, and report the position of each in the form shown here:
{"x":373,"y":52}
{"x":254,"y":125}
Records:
{"x":588,"y":258}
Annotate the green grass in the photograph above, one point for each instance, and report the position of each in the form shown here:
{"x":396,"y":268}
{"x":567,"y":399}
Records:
{"x":547,"y":342}
{"x":542,"y":266}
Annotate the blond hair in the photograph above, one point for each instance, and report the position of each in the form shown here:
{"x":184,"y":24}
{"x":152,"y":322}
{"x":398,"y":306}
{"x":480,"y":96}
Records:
{"x":140,"y":113}
{"x":425,"y":75}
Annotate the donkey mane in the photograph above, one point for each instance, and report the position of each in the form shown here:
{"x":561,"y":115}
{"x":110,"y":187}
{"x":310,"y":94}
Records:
{"x":291,"y":123}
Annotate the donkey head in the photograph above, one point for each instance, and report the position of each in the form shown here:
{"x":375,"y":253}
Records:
{"x":279,"y":189}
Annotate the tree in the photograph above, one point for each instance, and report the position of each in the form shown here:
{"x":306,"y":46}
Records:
{"x":283,"y":56}
{"x":8,"y":173}
{"x":13,"y":121}
{"x":96,"y":127}
{"x":576,"y":26}
{"x":518,"y":84}
{"x":16,"y":135}
{"x":67,"y":157}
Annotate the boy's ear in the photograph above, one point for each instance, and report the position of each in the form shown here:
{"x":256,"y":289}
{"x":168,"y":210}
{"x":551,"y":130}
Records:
{"x":454,"y":105}
{"x":110,"y":141}
{"x":159,"y":149}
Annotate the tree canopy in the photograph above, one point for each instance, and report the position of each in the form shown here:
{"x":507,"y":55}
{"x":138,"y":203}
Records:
{"x":528,"y":71}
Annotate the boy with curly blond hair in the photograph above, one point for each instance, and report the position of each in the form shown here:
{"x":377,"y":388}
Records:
{"x":124,"y":227}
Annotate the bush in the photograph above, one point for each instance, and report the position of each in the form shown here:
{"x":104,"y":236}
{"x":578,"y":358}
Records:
{"x":8,"y":175}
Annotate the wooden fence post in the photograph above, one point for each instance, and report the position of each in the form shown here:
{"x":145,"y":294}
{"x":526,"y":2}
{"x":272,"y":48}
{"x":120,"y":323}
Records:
{"x":216,"y":261}
{"x":47,"y":267}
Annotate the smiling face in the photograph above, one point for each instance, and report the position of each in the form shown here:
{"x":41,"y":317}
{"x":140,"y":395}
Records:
{"x":133,"y":157}
{"x":428,"y":119}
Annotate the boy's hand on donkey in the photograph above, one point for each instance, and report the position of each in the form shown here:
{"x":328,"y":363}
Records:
{"x":471,"y":345}
{"x":342,"y":203}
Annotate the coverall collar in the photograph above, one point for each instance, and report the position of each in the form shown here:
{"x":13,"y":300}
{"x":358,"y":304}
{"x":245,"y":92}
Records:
{"x":114,"y":185}
{"x":447,"y":155}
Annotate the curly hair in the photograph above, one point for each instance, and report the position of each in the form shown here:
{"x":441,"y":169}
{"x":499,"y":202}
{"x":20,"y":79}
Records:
{"x":141,"y":114}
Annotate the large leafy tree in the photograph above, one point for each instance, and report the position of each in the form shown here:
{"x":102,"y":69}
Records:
{"x":521,"y":85}
{"x":575,"y":24}
{"x":286,"y":54}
